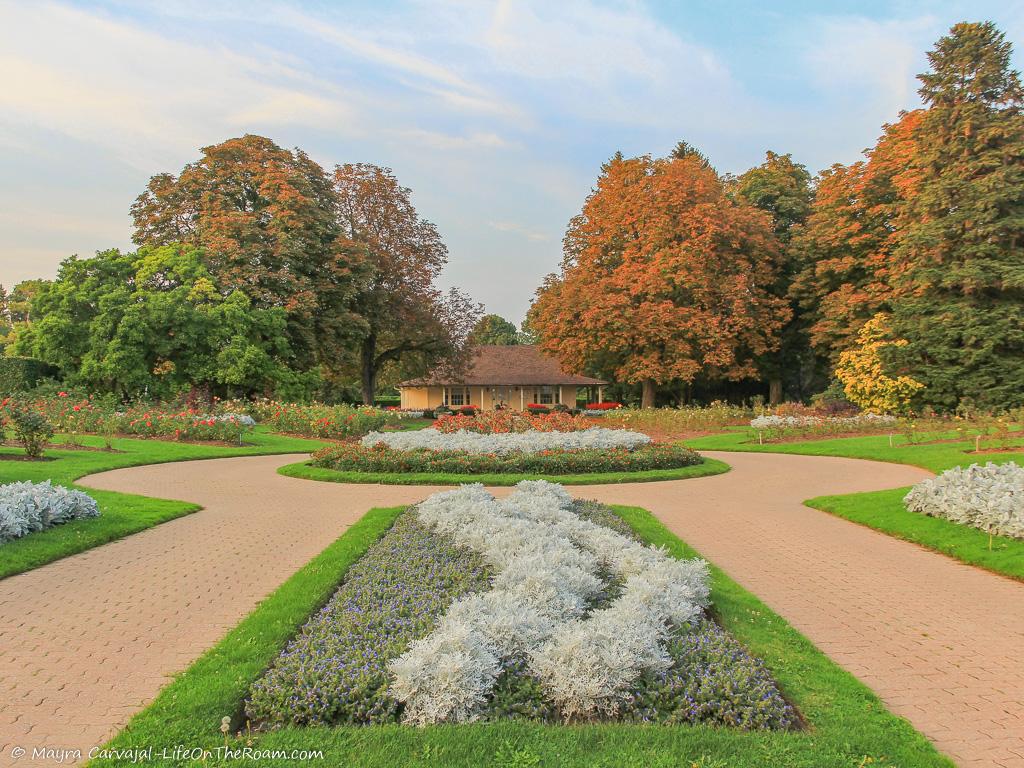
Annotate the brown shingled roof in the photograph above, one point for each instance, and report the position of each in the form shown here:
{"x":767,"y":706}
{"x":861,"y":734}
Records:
{"x":494,"y":365}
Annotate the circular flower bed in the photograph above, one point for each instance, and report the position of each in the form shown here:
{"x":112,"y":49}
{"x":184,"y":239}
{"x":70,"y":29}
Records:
{"x":533,"y":441}
{"x":354,"y":457}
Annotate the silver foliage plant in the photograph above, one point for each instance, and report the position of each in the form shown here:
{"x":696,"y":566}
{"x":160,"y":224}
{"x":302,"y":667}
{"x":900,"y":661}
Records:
{"x":794,"y":422}
{"x":989,"y":497}
{"x":28,"y":507}
{"x":595,"y":438}
{"x":546,"y":560}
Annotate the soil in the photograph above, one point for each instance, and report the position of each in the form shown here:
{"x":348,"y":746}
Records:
{"x":16,"y":457}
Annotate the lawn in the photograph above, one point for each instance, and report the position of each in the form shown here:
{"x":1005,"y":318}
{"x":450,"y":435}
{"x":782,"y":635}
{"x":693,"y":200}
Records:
{"x":121,"y":514}
{"x":884,"y":510}
{"x":847,"y":726}
{"x":306,"y":471}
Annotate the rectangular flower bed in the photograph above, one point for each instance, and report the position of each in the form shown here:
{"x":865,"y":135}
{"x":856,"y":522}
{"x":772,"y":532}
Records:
{"x":533,"y":607}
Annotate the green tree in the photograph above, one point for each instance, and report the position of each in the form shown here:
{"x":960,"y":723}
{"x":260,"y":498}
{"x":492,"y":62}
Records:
{"x":494,"y":329}
{"x":265,"y":219}
{"x":782,"y":188}
{"x":958,"y":274}
{"x":155,"y":323}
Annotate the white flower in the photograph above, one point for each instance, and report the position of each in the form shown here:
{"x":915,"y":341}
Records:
{"x":795,"y":422}
{"x":598,"y":438}
{"x":546,"y":561}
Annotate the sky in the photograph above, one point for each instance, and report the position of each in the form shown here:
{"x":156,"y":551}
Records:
{"x":496,"y":113}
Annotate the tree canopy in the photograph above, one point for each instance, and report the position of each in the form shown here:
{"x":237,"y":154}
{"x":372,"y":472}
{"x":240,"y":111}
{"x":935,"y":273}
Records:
{"x":156,"y":322}
{"x":404,"y":315}
{"x":495,"y":329}
{"x":664,"y":277}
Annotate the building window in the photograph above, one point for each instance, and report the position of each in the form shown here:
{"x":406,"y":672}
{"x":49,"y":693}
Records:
{"x":546,"y":396}
{"x":456,"y":396}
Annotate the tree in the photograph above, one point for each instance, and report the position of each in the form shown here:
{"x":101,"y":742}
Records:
{"x":846,"y":245}
{"x":494,"y":329}
{"x":782,"y":189}
{"x":958,"y":274}
{"x":684,"y":150}
{"x":155,"y":322}
{"x":664,"y":277}
{"x":405,"y":318}
{"x":265,"y":219}
{"x":862,"y":370}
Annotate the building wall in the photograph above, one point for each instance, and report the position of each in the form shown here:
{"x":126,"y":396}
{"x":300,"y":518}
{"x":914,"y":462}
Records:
{"x":485,"y":398}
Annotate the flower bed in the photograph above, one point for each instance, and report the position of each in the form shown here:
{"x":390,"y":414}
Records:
{"x":679,"y":420}
{"x":28,"y":507}
{"x":560,"y":614}
{"x":329,"y":421}
{"x":507,"y":421}
{"x":86,"y":415}
{"x":351,"y":457}
{"x":594,"y":438}
{"x":990,"y":497}
{"x":776,"y":426}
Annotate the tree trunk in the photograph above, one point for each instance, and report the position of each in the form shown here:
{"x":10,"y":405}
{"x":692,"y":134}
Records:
{"x":647,"y":398}
{"x":369,"y":368}
{"x":774,"y":391}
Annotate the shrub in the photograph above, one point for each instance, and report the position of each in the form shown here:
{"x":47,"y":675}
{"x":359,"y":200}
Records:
{"x":990,"y":497}
{"x":350,"y":457}
{"x":502,"y":422}
{"x":32,"y":430}
{"x":27,"y":507}
{"x":327,"y":421}
{"x":18,"y":374}
{"x":678,"y":420}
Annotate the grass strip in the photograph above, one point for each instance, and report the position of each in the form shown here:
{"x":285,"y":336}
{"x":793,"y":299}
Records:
{"x":307,"y":471}
{"x":121,"y":514}
{"x":847,"y":725}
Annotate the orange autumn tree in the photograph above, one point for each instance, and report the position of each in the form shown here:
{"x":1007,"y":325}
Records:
{"x":847,"y":242}
{"x":664,"y":277}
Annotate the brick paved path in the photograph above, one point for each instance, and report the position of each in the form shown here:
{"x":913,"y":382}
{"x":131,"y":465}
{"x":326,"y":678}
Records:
{"x":88,"y":640}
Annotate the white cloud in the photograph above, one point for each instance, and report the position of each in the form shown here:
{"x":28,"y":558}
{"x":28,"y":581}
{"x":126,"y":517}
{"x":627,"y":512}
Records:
{"x":149,"y":98}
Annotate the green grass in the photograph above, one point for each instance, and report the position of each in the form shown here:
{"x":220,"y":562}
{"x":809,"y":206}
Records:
{"x":847,"y":726}
{"x":121,"y":514}
{"x":306,"y":471}
{"x":884,"y":510}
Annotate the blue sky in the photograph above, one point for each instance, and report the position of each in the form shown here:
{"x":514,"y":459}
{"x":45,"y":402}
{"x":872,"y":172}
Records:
{"x":496,"y":114}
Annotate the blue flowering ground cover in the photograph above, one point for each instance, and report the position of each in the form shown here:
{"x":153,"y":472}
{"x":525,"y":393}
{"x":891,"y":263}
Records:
{"x":335,"y":671}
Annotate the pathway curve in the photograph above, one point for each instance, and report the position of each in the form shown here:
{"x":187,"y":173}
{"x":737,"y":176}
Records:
{"x":88,"y":640}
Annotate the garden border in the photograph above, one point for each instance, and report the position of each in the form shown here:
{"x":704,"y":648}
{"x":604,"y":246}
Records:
{"x":847,"y":723}
{"x":306,"y":471}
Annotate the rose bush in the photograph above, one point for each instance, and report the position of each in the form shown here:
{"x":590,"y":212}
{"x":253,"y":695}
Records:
{"x":507,"y":421}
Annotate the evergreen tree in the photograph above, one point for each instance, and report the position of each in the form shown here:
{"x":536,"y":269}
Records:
{"x":958,"y":266}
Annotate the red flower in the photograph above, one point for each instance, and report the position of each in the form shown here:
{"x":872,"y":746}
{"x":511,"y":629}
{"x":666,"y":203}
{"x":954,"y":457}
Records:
{"x":62,"y":394}
{"x":77,"y":408}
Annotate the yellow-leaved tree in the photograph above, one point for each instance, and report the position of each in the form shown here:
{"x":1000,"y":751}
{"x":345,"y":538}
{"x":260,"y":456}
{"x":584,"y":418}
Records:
{"x":861,"y":370}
